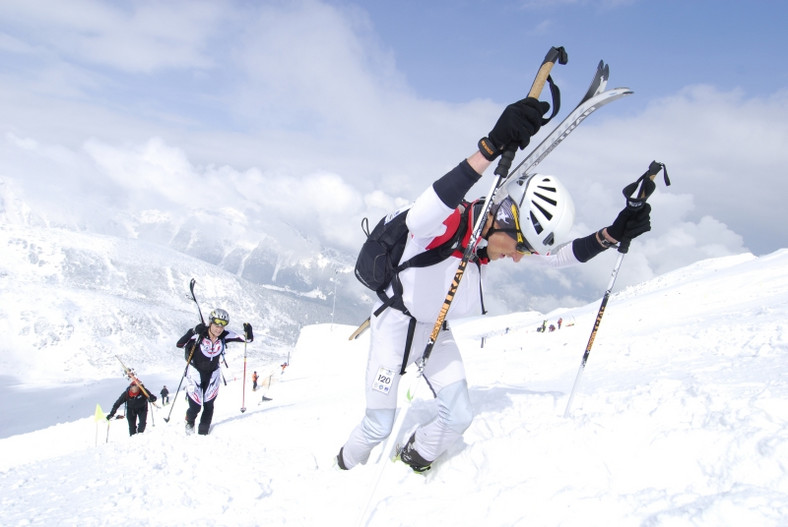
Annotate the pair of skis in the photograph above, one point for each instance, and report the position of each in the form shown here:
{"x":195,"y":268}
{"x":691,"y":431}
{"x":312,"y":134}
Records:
{"x":132,"y":376}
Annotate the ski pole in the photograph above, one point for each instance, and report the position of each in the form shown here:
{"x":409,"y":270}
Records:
{"x":647,"y":186}
{"x":501,"y":171}
{"x":185,"y":371}
{"x":152,"y":420}
{"x":226,"y":366}
{"x":243,"y":392}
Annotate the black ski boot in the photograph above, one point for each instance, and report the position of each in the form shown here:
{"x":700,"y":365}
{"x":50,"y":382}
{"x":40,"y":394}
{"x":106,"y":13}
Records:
{"x":410,"y":457}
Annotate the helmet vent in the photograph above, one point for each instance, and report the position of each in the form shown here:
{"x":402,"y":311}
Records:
{"x":544,"y":211}
{"x":537,"y":226}
{"x":551,"y":201}
{"x":550,"y":239}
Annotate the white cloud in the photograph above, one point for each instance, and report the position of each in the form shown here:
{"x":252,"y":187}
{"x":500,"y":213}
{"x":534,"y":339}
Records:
{"x":138,"y":37}
{"x":298,"y":112}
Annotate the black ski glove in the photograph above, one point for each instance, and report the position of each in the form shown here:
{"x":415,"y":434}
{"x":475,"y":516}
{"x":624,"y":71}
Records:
{"x":248,"y":332}
{"x":199,"y":329}
{"x":110,"y":416}
{"x":152,"y":398}
{"x":629,"y":224}
{"x":515,"y":127}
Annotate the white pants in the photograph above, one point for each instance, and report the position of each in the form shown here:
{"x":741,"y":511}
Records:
{"x":444,"y":373}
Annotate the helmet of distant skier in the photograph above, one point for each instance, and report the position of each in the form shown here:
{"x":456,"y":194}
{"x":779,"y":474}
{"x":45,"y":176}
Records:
{"x":548,"y":214}
{"x":220,"y":317}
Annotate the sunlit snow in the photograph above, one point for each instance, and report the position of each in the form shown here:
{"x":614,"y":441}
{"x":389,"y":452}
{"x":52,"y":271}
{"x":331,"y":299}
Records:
{"x":680,"y":419}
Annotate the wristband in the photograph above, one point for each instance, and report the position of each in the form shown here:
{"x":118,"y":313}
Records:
{"x":603,"y":241}
{"x":487,"y":149}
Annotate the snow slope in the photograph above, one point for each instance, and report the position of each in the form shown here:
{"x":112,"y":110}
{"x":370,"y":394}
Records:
{"x":680,"y":419}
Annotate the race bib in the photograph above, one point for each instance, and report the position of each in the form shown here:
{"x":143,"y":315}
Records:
{"x":383,"y":380}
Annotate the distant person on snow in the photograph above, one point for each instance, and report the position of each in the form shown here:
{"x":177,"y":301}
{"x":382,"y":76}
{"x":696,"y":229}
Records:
{"x":205,"y":346}
{"x":165,"y":395}
{"x":254,"y":381}
{"x":537,"y":230}
{"x":136,"y":408}
{"x":560,"y":321}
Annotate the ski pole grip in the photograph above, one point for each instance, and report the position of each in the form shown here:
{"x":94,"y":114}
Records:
{"x":556,"y":54}
{"x":647,"y":187}
{"x":505,"y":163}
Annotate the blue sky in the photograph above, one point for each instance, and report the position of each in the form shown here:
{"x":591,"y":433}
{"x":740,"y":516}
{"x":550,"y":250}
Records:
{"x":658,"y":46}
{"x":132,"y":106}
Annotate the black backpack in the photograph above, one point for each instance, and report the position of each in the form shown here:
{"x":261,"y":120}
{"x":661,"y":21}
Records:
{"x":377,"y":262}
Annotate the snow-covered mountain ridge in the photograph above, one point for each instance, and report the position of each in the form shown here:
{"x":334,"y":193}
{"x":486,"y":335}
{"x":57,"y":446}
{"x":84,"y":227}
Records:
{"x":71,"y":300}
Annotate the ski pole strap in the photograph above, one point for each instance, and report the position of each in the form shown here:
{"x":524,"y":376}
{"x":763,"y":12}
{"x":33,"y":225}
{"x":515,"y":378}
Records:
{"x":408,"y":344}
{"x":647,"y":185}
{"x":555,"y":93}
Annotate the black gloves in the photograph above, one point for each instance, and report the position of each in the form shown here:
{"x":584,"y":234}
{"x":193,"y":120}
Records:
{"x":248,"y":332}
{"x":518,"y":122}
{"x":199,"y":329}
{"x":152,"y":398}
{"x":110,"y":416}
{"x":631,"y":223}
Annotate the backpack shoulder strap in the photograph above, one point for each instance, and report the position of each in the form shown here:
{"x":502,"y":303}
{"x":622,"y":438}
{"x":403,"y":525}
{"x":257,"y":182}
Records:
{"x":444,"y":250}
{"x":425,"y":259}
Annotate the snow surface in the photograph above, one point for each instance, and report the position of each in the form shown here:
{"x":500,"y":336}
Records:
{"x":680,"y":419}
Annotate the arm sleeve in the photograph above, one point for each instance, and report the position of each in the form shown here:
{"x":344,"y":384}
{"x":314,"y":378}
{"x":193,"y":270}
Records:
{"x":586,"y":248}
{"x":563,"y":256}
{"x":117,"y":404}
{"x":232,"y":336}
{"x":184,"y":339}
{"x":452,"y":187}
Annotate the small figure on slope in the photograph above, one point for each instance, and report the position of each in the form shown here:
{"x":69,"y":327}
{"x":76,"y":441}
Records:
{"x":165,"y":395}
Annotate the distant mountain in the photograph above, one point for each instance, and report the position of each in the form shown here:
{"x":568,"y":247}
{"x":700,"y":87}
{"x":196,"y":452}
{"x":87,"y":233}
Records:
{"x":71,"y":300}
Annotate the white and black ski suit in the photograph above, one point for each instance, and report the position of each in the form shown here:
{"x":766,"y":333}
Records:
{"x":203,"y":373}
{"x":430,"y":221}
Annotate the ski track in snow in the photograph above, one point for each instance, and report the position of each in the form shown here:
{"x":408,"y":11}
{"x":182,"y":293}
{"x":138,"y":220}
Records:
{"x":680,"y":419}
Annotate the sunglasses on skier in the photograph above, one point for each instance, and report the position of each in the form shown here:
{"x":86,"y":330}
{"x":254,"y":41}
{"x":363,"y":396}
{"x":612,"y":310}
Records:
{"x":508,"y":217}
{"x":219,"y":322}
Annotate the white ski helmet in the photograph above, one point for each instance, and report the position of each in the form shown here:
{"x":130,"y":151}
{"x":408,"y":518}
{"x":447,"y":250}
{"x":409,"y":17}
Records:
{"x":550,"y":210}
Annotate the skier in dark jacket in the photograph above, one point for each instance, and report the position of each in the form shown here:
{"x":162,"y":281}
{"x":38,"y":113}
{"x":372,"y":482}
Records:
{"x":203,"y":348}
{"x":136,"y":408}
{"x":165,"y":395}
